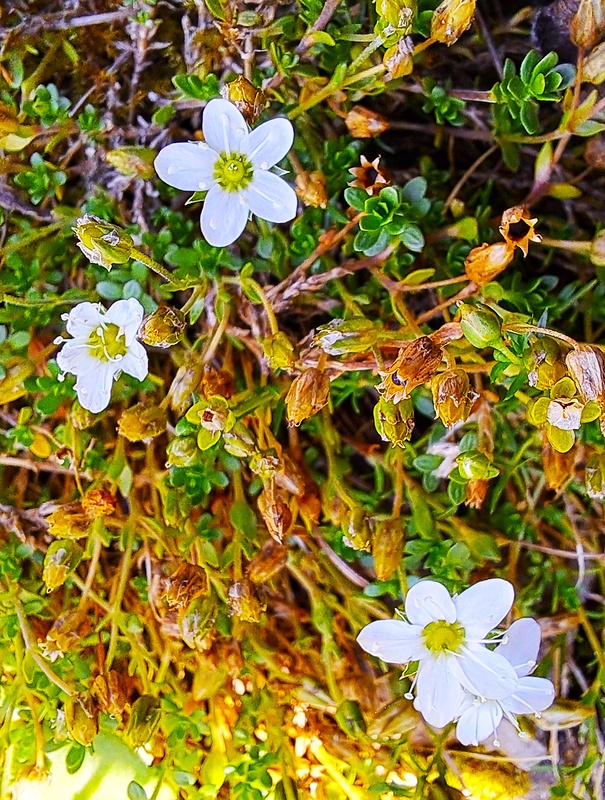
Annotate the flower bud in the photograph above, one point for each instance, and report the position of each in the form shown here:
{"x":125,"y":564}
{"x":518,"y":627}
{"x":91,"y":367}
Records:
{"x":365,"y":124}
{"x":394,"y":421}
{"x":61,"y":559}
{"x":99,"y":503}
{"x":133,"y":161}
{"x":453,"y":397}
{"x":142,"y":422}
{"x":595,"y":476}
{"x":81,"y":718}
{"x":68,"y":522}
{"x":587,"y":26}
{"x":275,"y":513}
{"x":586,"y":366}
{"x":279,"y":351}
{"x":311,"y":188}
{"x":451,"y":19}
{"x":144,"y":719}
{"x":342,"y":336}
{"x":244,"y":603}
{"x":249,"y":100}
{"x":239,"y":442}
{"x":163,"y":328}
{"x":308,"y":394}
{"x":480,"y":326}
{"x":356,"y":529}
{"x":387,"y":547}
{"x":182,"y":451}
{"x":416,"y":363}
{"x":474,"y":465}
{"x":484,"y":263}
{"x":350,"y":719}
{"x":518,"y":228}
{"x":268,"y":562}
{"x":103,"y":242}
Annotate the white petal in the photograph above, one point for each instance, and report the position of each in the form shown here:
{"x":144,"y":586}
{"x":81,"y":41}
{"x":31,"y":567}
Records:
{"x":224,"y":216}
{"x":532,"y":695}
{"x":94,"y":387}
{"x":135,"y":362}
{"x":521,"y":645}
{"x":74,"y":357}
{"x":128,"y":315}
{"x":428,"y":601}
{"x":269,"y":143}
{"x":271,"y":198}
{"x":439,"y":695}
{"x":224,"y":127}
{"x":486,"y":673}
{"x":478,"y":722}
{"x":481,"y":607}
{"x":186,"y":165}
{"x":393,"y":640}
{"x":83,"y":319}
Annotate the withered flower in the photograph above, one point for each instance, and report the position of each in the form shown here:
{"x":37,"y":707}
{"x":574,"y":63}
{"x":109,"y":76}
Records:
{"x":452,"y":396}
{"x":141,"y":422}
{"x":244,"y":602}
{"x":371,"y":176}
{"x":186,"y":584}
{"x":163,"y":328}
{"x":586,"y":366}
{"x":268,"y":562}
{"x":311,"y":188}
{"x":69,"y":521}
{"x":387,"y":547}
{"x":275,"y":512}
{"x":61,"y":559}
{"x":67,"y":630}
{"x":451,"y":19}
{"x":518,"y":228}
{"x":398,"y":59}
{"x":308,"y":394}
{"x":558,"y":467}
{"x":99,"y":503}
{"x":82,"y":718}
{"x":476,"y":490}
{"x":415,"y":364}
{"x":365,"y":124}
{"x":484,"y":263}
{"x":249,"y":100}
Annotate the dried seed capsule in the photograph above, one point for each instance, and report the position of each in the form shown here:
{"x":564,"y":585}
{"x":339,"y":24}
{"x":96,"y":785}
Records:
{"x":244,"y":603}
{"x":103,"y":242}
{"x":308,"y":394}
{"x":484,"y":263}
{"x":586,"y":366}
{"x":163,"y":328}
{"x":452,"y":396}
{"x":394,"y":421}
{"x":275,"y":512}
{"x":365,"y":124}
{"x":558,"y":467}
{"x":81,"y":718}
{"x":144,"y":719}
{"x":451,"y":19}
{"x":99,"y":503}
{"x":142,"y":422}
{"x":268,"y":562}
{"x":415,"y":364}
{"x":311,"y":188}
{"x":518,"y":228}
{"x":387,"y":547}
{"x":68,"y":522}
{"x":370,"y":175}
{"x":249,"y":100}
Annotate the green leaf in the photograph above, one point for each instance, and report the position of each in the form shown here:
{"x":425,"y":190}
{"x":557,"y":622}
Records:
{"x":529,"y":117}
{"x":217,"y":9}
{"x":418,"y":276}
{"x":109,"y":290}
{"x":356,"y":197}
{"x":412,"y":238}
{"x":414,"y":190}
{"x":136,"y":792}
{"x":74,"y":758}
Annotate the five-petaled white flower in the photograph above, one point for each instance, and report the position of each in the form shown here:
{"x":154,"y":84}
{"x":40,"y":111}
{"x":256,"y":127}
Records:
{"x":447,"y":637}
{"x":232,"y":165}
{"x":480,"y":718}
{"x":103,"y":345}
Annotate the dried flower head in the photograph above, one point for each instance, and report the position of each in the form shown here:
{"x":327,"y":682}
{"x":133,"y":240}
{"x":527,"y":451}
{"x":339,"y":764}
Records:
{"x":451,"y":19}
{"x":586,"y":366}
{"x":365,"y":124}
{"x":163,"y":328}
{"x":308,"y":394}
{"x":69,"y":521}
{"x":311,"y":188}
{"x":249,"y":101}
{"x":453,"y":397}
{"x":484,"y":263}
{"x":371,"y":176}
{"x":99,"y":503}
{"x":142,"y":422}
{"x":415,"y":364}
{"x":394,"y":421}
{"x":518,"y":228}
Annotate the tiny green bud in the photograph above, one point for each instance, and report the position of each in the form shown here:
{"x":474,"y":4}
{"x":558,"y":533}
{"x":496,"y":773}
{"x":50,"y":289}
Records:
{"x":480,"y":326}
{"x":144,"y":719}
{"x":394,"y":421}
{"x":342,"y":336}
{"x":81,"y":719}
{"x":474,"y":465}
{"x":103,"y":242}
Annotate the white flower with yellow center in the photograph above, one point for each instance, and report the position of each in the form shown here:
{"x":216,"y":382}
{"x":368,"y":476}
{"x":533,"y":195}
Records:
{"x":103,"y":345}
{"x":232,"y":165}
{"x":446,"y":636}
{"x":480,"y":718}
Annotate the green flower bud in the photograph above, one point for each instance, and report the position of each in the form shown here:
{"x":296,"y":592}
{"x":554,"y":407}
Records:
{"x":342,"y":336}
{"x":103,"y":242}
{"x":81,"y":719}
{"x":394,"y":421}
{"x":62,"y":558}
{"x":474,"y":465}
{"x":163,"y":328}
{"x":480,"y":326}
{"x":356,"y":530}
{"x":279,"y":351}
{"x":144,"y":719}
{"x":350,"y":719}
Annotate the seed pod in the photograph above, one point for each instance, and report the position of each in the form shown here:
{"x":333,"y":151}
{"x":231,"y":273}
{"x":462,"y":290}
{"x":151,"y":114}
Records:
{"x":186,"y":584}
{"x":594,"y":65}
{"x":279,"y":351}
{"x":370,"y":175}
{"x":68,"y":522}
{"x":398,"y":59}
{"x":518,"y":228}
{"x":451,"y":19}
{"x":476,"y":491}
{"x":452,"y":396}
{"x":308,"y":394}
{"x":185,"y":383}
{"x":416,"y":363}
{"x":480,"y":326}
{"x":588,"y":24}
{"x":67,"y":630}
{"x":394,"y":422}
{"x":144,"y":719}
{"x":595,"y":476}
{"x":268,"y":562}
{"x":110,"y":695}
{"x":387,"y":547}
{"x":244,"y":603}
{"x":103,"y":242}
{"x":99,"y":503}
{"x":249,"y":100}
{"x":61,"y":559}
{"x":484,"y":263}
{"x":275,"y":512}
{"x":163,"y":328}
{"x":365,"y":124}
{"x":356,"y":529}
{"x":81,"y":718}
{"x":586,"y":366}
{"x":196,"y":623}
{"x":558,"y":467}
{"x":350,"y":719}
{"x":311,"y":188}
{"x":142,"y":422}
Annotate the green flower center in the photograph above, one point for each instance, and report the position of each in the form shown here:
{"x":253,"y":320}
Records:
{"x":441,"y":637}
{"x":233,"y":171}
{"x":107,"y":343}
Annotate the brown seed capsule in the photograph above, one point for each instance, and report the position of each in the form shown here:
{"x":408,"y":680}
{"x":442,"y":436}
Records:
{"x":594,"y":65}
{"x":275,"y":512}
{"x":453,"y":397}
{"x":244,"y":603}
{"x":365,"y":124}
{"x":68,"y":522}
{"x":588,"y":24}
{"x":308,"y":394}
{"x":163,"y":328}
{"x":268,"y":562}
{"x":142,"y":422}
{"x":311,"y":188}
{"x":110,"y":695}
{"x":67,"y":630}
{"x":484,"y":263}
{"x":99,"y":503}
{"x":415,"y":364}
{"x":186,"y":584}
{"x":249,"y":100}
{"x":371,"y":176}
{"x":451,"y":19}
{"x":387,"y":547}
{"x":81,"y":718}
{"x":559,"y":467}
{"x":518,"y":228}
{"x":476,"y":491}
{"x":586,"y":365}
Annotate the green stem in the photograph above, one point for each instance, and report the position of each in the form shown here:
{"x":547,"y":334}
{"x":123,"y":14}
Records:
{"x":331,"y":88}
{"x":149,"y":262}
{"x":117,"y":601}
{"x":366,"y":52}
{"x":521,"y":327}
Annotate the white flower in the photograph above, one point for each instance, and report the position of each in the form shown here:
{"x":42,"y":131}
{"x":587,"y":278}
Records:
{"x":233,"y":166}
{"x":450,"y":452}
{"x":447,"y":637}
{"x":103,"y":345}
{"x":480,"y":718}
